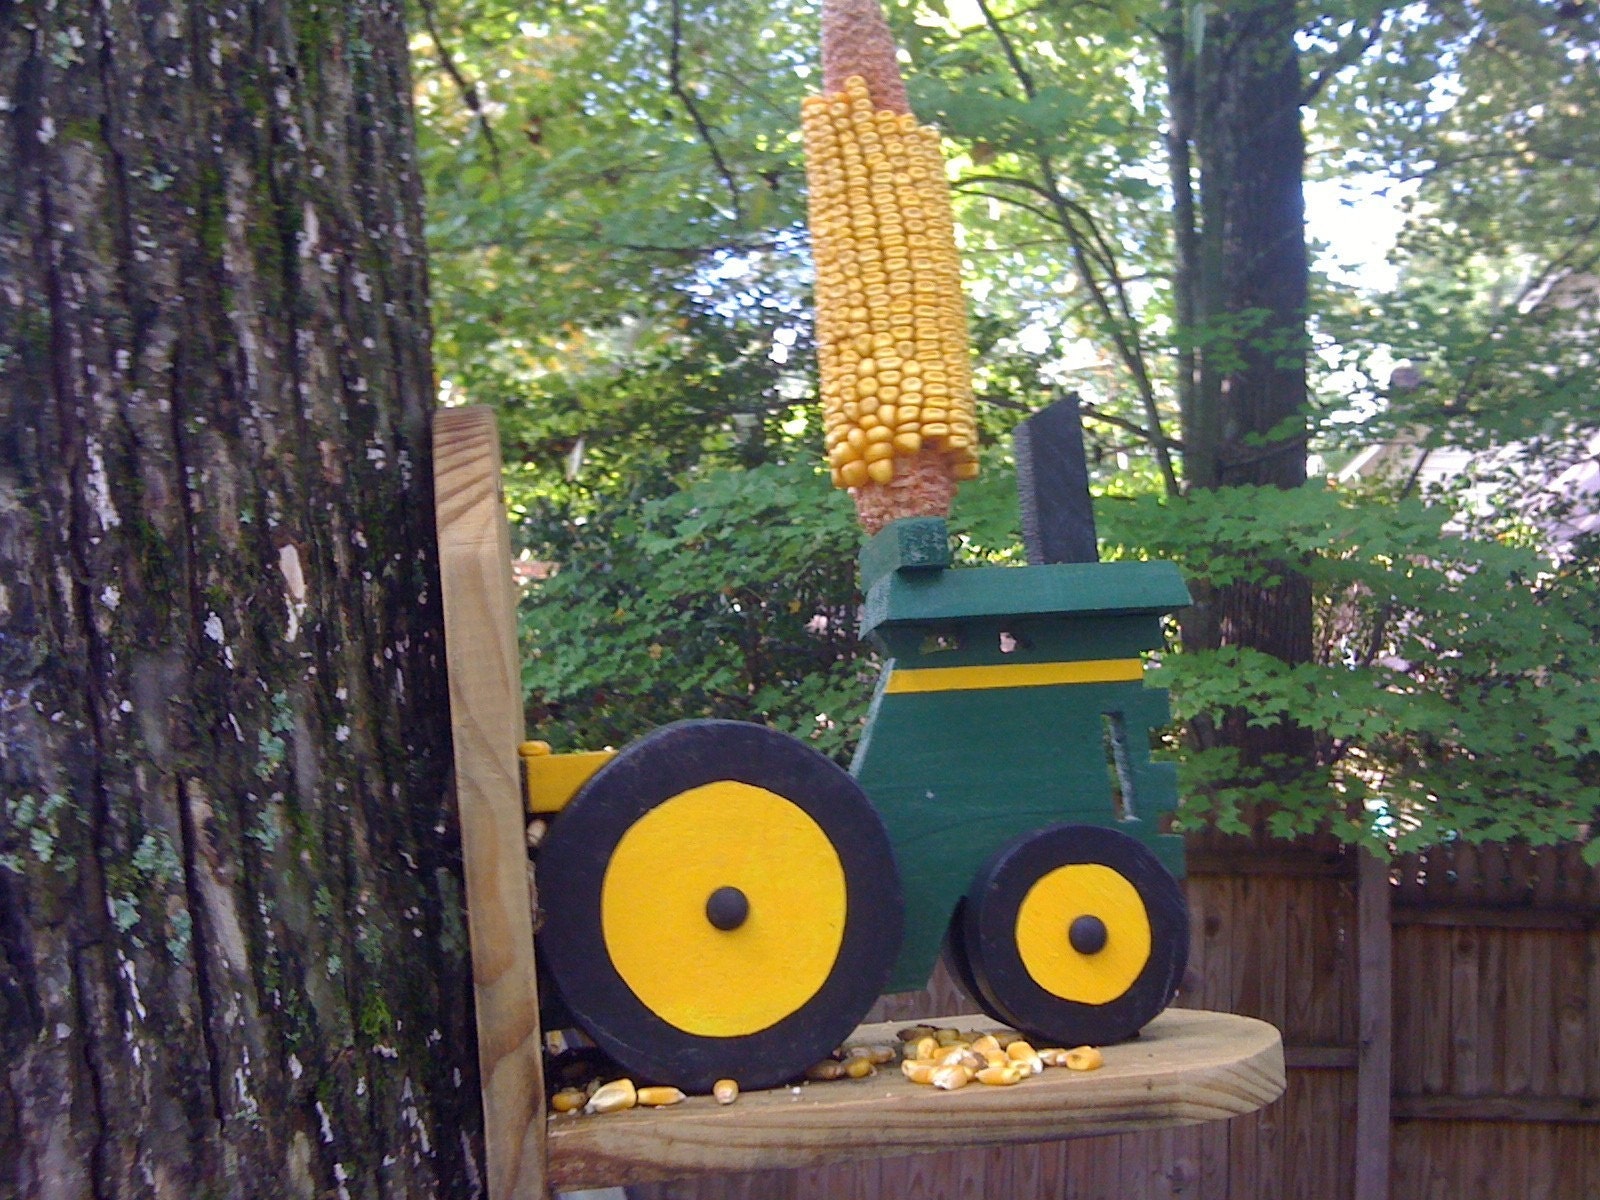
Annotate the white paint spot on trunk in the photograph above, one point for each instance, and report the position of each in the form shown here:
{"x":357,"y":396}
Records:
{"x":100,"y":488}
{"x":295,"y":581}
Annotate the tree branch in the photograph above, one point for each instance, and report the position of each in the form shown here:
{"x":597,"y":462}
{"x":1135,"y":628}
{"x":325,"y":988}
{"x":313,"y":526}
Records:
{"x":1349,"y":51}
{"x":675,"y":76}
{"x":468,"y":89}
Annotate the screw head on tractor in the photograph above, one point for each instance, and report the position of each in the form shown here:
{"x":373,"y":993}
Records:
{"x":727,"y":908}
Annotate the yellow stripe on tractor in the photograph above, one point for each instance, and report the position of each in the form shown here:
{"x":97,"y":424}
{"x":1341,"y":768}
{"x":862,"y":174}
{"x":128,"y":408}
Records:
{"x":1015,"y":675}
{"x":551,"y":780}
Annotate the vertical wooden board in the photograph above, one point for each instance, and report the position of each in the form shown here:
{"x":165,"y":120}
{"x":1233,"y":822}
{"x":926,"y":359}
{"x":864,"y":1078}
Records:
{"x":1184,"y":1160}
{"x":486,"y":726}
{"x":1211,"y":921}
{"x":1245,"y":983}
{"x":1522,"y":998}
{"x":1541,"y":1146}
{"x":1431,"y":1027}
{"x":1443,"y":1158}
{"x":1540,"y":1019}
{"x":1339,"y":941}
{"x":971,"y":1174}
{"x":894,"y":1178}
{"x":1244,"y":1151}
{"x":1591,"y":967}
{"x":1146,"y":1165}
{"x":1349,"y":1147}
{"x":1215,"y":1182}
{"x":1305,"y":989}
{"x":1375,"y":1000}
{"x":1052,"y":1180}
{"x":1406,"y":1159}
{"x":1493,"y":1014}
{"x":1405,"y":1062}
{"x":840,"y":1181}
{"x":1010,"y":1170}
{"x":1572,"y":1005}
{"x":1462,"y":1077}
{"x":1095,"y":1166}
{"x":1272,"y":948}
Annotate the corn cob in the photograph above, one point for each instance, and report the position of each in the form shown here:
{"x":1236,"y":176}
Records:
{"x":891,"y":321}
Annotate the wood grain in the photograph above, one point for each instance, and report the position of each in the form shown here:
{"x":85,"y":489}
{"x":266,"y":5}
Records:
{"x":486,"y":723}
{"x":1375,"y":1004}
{"x":1186,"y":1068}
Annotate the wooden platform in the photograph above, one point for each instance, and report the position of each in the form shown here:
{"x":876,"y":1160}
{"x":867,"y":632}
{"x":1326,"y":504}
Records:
{"x":1187,"y":1067}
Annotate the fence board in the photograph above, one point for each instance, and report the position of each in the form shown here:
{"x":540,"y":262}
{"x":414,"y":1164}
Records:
{"x":1521,"y":999}
{"x":1489,"y":1068}
{"x":1215,"y":1180}
{"x":1570,"y":1005}
{"x":1462,"y":1077}
{"x":1540,"y":1018}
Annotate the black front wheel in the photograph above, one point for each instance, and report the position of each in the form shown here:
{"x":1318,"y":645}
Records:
{"x":1076,"y":934}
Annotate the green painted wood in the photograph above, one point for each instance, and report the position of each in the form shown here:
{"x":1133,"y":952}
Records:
{"x":1053,"y":589}
{"x":978,"y":641}
{"x":955,"y":775}
{"x":910,"y":544}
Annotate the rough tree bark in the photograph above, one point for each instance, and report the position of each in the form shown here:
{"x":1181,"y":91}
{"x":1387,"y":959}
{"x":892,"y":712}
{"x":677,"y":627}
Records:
{"x":231,"y":951}
{"x":1238,"y":159}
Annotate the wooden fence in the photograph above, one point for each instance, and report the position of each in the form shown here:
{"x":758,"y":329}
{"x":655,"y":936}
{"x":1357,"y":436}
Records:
{"x":1441,"y":1024}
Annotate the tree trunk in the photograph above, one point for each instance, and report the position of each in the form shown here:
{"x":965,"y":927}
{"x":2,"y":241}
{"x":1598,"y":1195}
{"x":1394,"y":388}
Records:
{"x":231,"y":949}
{"x":1243,"y":289}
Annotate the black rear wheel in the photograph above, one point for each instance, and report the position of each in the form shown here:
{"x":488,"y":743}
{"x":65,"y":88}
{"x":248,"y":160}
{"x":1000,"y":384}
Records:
{"x":720,"y":902}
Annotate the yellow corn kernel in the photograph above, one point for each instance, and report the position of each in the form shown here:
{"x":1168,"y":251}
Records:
{"x":1085,"y":1058}
{"x":613,"y":1097}
{"x":949,"y":1078}
{"x":881,"y":471}
{"x":726,"y":1091}
{"x":918,"y":1070}
{"x":859,"y":1068}
{"x":660,"y":1097}
{"x":854,"y":474}
{"x":1002,"y":1076}
{"x":1022,"y":1052}
{"x":568,"y":1100}
{"x":926,"y":1046}
{"x":827,"y":1069}
{"x":986,"y":1043}
{"x":908,"y":443}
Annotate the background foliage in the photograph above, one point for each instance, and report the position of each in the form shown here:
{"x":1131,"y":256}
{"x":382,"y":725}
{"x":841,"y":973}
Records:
{"x":621,"y":269}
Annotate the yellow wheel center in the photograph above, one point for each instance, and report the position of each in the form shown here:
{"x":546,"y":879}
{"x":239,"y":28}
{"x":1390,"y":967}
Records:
{"x":1046,"y":914}
{"x":707,"y":981}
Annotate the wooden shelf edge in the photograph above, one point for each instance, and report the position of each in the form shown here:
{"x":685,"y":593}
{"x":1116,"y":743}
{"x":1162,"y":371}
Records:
{"x":1188,"y":1067}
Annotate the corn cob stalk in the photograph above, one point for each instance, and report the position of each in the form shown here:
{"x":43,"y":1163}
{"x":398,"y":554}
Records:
{"x":891,"y":320}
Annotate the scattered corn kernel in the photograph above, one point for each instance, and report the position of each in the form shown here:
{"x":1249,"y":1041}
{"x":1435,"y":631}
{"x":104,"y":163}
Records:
{"x":828,"y":1068}
{"x":1025,"y":1054}
{"x":859,"y":1068}
{"x":660,"y":1097}
{"x":925,"y":1047}
{"x":1002,"y":1076}
{"x":918,"y":1070}
{"x":568,"y":1100}
{"x":949,"y":1078}
{"x":726,"y":1091}
{"x":613,"y":1097}
{"x":1085,"y":1058}
{"x":985,"y":1043}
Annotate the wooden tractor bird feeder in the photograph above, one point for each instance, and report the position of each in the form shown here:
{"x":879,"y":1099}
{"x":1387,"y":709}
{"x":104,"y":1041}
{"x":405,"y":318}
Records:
{"x":719,"y":901}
